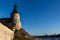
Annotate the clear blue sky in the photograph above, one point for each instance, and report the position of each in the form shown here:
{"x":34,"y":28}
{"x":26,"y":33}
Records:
{"x":37,"y":16}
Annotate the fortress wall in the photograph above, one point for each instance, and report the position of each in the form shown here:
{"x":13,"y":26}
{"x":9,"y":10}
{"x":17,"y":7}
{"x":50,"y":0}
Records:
{"x":5,"y":33}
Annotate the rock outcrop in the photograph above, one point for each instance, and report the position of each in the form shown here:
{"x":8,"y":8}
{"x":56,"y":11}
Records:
{"x":22,"y":35}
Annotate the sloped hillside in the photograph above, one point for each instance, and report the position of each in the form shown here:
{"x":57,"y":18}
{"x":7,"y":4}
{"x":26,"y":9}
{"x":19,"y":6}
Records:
{"x":22,"y":35}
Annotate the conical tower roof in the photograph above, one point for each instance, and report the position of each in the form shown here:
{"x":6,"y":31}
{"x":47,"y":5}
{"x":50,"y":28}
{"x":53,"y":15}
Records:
{"x":14,"y":10}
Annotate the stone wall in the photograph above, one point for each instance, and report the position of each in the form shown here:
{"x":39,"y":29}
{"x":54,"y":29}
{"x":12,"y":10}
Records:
{"x":5,"y":33}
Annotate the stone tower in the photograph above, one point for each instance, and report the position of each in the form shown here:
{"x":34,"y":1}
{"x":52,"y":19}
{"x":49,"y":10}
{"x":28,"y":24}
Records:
{"x":10,"y":28}
{"x":16,"y":19}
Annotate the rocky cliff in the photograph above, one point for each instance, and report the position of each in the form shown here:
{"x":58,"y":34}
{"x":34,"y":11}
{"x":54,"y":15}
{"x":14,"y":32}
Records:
{"x":22,"y":35}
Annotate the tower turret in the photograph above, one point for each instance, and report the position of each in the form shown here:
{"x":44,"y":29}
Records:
{"x":16,"y":18}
